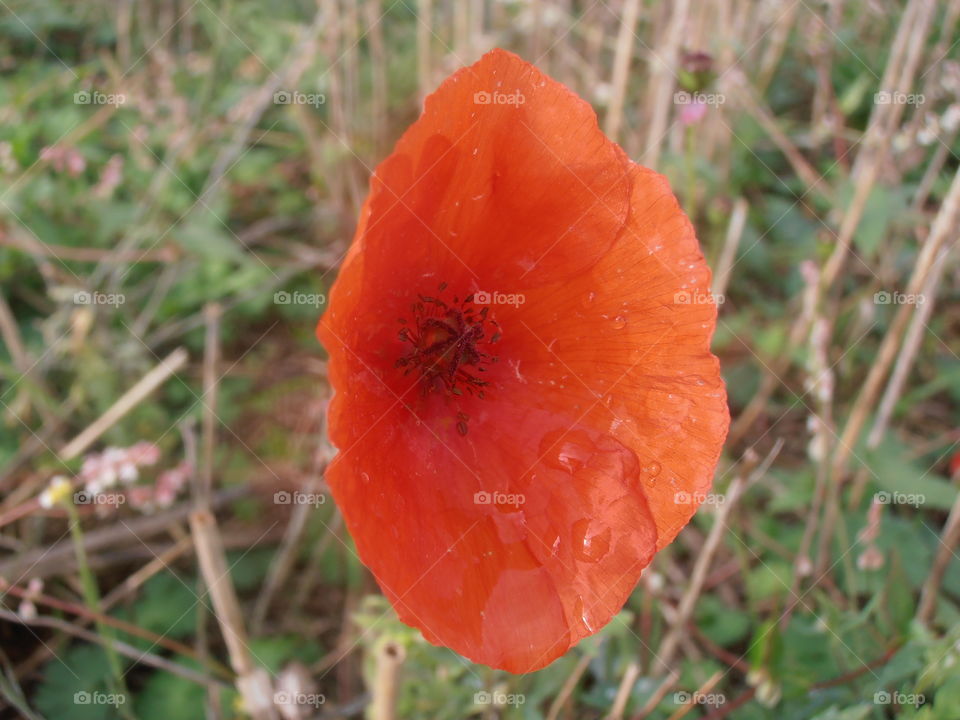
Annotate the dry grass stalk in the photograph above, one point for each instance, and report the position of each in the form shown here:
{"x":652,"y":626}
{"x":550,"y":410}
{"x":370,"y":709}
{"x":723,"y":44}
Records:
{"x":253,"y":682}
{"x":386,"y":683}
{"x":949,"y":539}
{"x":724,"y":265}
{"x":569,"y":685}
{"x":125,"y":403}
{"x":629,"y":679}
{"x":898,"y":77}
{"x":621,"y":68}
{"x":211,"y":358}
{"x":662,"y":64}
{"x":943,"y":233}
{"x":424,"y":62}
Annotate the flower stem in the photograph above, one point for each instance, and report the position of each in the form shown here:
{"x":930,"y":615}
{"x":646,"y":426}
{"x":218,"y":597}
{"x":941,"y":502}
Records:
{"x":91,"y":596}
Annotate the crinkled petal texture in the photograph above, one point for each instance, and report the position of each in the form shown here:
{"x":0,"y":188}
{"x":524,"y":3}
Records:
{"x":509,"y":520}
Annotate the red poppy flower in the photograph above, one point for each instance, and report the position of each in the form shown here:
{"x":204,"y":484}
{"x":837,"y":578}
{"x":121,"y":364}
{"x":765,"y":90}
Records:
{"x":526,"y":406}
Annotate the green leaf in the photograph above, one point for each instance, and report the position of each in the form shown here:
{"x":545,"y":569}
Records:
{"x":75,"y":686}
{"x":723,"y":625}
{"x":275,"y":652}
{"x":905,"y":481}
{"x":168,"y":605}
{"x":165,"y":695}
{"x":857,"y":712}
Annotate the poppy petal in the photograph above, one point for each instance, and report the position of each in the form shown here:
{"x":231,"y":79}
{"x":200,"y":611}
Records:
{"x":498,"y":550}
{"x":630,"y":343}
{"x":508,"y":468}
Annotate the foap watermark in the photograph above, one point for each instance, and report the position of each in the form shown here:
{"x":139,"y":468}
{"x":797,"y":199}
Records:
{"x":495,"y":297}
{"x":499,"y":699}
{"x":95,"y":97}
{"x":82,"y":697}
{"x":112,"y":499}
{"x":682,"y":497}
{"x":884,"y":297}
{"x":882,"y":697}
{"x":697,"y":297}
{"x":295,"y":97}
{"x":699,"y":98}
{"x":84,"y":297}
{"x":698,"y":698}
{"x":282,"y":497}
{"x":483,"y":497}
{"x":482,"y":97}
{"x":299,"y":699}
{"x":898,"y":498}
{"x":282,"y":297}
{"x":886,"y":97}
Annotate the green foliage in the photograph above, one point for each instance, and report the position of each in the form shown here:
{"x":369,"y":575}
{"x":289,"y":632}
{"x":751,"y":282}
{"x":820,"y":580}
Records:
{"x":76,"y":685}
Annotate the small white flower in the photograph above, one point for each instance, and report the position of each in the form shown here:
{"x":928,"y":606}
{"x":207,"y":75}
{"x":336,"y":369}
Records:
{"x":129,"y":472}
{"x":57,"y":492}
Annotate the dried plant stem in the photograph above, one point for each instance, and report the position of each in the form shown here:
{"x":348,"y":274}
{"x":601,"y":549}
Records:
{"x":424,"y":14}
{"x":389,"y":659}
{"x":569,"y":685}
{"x":536,"y":33}
{"x":724,"y":266}
{"x":662,"y":64}
{"x":51,"y":561}
{"x":308,"y":579}
{"x":704,"y":689}
{"x":125,"y":403}
{"x":932,"y":172}
{"x":662,"y":689}
{"x":778,"y":37}
{"x":31,"y":245}
{"x":901,"y":369}
{"x":949,"y":539}
{"x":160,"y":562}
{"x":286,"y":557}
{"x":378,"y":70}
{"x":253,"y":682}
{"x":11,"y":337}
{"x":108,"y":620}
{"x":751,"y":102}
{"x":627,"y":682}
{"x":672,"y":639}
{"x":211,"y":356}
{"x":621,"y":68}
{"x":942,"y":232}
{"x":905,"y":57}
{"x":118,"y":646}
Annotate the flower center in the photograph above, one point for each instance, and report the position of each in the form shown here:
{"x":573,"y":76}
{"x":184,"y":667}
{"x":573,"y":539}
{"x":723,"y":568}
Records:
{"x":449,"y":345}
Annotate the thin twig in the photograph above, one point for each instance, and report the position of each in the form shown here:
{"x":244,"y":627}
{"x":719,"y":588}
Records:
{"x":253,"y":682}
{"x":122,"y":648}
{"x":125,"y":403}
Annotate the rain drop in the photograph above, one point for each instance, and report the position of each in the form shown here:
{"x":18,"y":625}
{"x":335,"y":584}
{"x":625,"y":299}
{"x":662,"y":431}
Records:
{"x":651,"y":470}
{"x":590,"y":546}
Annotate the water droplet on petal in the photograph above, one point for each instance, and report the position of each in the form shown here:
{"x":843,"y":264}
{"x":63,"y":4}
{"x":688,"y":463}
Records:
{"x":651,"y":470}
{"x":590,"y":544}
{"x":567,"y":451}
{"x":619,"y":322}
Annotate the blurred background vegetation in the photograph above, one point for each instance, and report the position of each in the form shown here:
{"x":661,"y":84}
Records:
{"x":178,"y":183}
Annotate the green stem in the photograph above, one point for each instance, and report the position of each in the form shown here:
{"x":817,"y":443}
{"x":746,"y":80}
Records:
{"x":91,"y":596}
{"x":690,"y":165}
